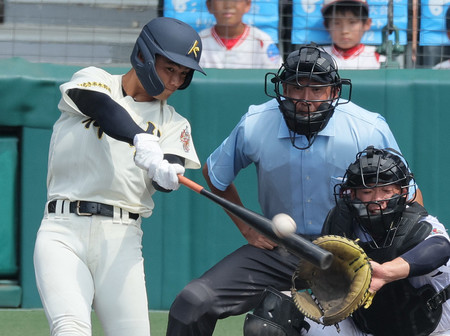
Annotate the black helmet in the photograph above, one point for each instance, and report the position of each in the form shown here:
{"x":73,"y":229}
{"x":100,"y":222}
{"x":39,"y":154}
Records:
{"x":172,"y":39}
{"x":377,"y":168}
{"x":313,"y":63}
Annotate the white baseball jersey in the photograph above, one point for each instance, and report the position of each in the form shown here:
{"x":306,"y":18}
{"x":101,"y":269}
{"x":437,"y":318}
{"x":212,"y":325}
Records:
{"x":443,"y":65}
{"x":84,"y":262}
{"x":119,"y":181}
{"x":363,"y":57}
{"x":254,"y":49}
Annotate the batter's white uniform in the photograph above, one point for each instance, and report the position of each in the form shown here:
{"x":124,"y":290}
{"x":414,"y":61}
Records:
{"x":363,"y":57}
{"x":96,"y":261}
{"x":254,"y":50}
{"x":439,"y":279}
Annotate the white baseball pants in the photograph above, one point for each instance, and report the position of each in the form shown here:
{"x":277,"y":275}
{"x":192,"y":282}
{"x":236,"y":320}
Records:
{"x":91,"y":262}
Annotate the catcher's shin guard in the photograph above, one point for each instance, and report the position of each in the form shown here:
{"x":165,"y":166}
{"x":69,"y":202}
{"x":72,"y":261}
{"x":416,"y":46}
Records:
{"x":275,"y":315}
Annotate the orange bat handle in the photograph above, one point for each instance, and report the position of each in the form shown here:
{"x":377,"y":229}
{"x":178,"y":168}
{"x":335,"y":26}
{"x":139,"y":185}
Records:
{"x":190,"y":184}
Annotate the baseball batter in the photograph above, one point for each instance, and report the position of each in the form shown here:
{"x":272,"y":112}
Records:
{"x":115,"y":143}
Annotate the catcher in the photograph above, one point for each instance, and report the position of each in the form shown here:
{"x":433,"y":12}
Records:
{"x":409,"y":252}
{"x":409,"y":249}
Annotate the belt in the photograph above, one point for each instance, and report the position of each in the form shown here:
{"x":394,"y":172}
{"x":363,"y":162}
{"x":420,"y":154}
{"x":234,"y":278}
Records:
{"x":439,"y":298}
{"x":84,"y":208}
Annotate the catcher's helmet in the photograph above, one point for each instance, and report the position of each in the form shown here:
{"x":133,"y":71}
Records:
{"x":172,"y":39}
{"x":377,"y":168}
{"x":313,"y":63}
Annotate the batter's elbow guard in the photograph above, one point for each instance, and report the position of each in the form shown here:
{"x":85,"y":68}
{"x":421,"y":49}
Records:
{"x":275,"y":315}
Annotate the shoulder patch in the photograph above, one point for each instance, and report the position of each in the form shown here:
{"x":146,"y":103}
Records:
{"x":436,"y":231}
{"x":185,"y":138}
{"x":273,"y":53}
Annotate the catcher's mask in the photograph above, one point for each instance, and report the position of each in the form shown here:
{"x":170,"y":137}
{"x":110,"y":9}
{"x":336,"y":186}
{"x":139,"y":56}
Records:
{"x":319,"y":69}
{"x":375,"y":168}
{"x":172,"y":39}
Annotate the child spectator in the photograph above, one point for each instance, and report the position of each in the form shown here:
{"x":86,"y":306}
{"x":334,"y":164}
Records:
{"x":233,"y":44}
{"x":347,"y":21}
{"x":445,"y":64}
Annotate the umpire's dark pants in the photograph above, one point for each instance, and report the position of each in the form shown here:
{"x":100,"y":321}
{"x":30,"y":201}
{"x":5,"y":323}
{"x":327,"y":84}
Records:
{"x":231,"y":287}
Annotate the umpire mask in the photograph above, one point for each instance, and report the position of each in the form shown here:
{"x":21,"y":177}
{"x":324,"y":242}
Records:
{"x":309,"y":68}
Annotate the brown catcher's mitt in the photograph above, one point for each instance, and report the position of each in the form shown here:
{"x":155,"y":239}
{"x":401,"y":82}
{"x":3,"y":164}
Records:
{"x":329,"y":296}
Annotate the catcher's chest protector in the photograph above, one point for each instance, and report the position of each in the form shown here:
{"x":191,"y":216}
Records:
{"x":411,"y":231}
{"x":275,"y":315}
{"x":399,"y":309}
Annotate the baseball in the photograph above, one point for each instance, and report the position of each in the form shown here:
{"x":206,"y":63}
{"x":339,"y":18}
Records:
{"x":283,"y":225}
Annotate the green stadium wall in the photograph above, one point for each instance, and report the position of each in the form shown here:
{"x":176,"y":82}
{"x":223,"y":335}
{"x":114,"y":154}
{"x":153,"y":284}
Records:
{"x":187,"y":234}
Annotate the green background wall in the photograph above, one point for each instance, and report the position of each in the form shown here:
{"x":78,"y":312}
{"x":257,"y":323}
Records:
{"x":187,"y":234}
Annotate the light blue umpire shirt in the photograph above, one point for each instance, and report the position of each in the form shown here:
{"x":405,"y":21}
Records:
{"x":293,"y":181}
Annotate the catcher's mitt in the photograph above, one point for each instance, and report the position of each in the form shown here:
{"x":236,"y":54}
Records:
{"x":329,"y":296}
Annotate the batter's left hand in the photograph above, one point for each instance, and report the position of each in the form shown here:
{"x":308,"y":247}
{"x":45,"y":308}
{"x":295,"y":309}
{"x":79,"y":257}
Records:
{"x":166,"y":175}
{"x":149,"y":154}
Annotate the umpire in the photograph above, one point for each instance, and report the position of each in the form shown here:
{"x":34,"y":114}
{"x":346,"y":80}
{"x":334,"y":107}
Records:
{"x":301,"y":143}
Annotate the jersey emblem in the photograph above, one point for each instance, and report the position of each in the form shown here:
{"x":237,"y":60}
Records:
{"x":185,"y":138}
{"x":97,"y":84}
{"x":87,"y":124}
{"x":151,"y":129}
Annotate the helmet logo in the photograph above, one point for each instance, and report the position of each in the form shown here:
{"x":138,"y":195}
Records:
{"x":194,"y":49}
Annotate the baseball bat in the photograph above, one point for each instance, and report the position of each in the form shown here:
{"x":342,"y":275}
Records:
{"x":296,"y":244}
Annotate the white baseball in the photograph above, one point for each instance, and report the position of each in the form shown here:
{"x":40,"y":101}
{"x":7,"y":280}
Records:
{"x":283,"y":225}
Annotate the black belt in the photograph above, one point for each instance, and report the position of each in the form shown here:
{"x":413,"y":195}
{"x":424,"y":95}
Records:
{"x":439,"y":298}
{"x":84,"y":208}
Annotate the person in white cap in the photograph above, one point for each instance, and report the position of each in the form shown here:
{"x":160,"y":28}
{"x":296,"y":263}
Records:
{"x":347,"y":21}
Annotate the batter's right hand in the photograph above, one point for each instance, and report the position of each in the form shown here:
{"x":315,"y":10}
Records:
{"x":149,"y":154}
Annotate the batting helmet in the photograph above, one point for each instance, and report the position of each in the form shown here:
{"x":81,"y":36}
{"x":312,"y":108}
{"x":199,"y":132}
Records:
{"x":377,"y":168}
{"x":172,"y":39}
{"x":316,"y":65}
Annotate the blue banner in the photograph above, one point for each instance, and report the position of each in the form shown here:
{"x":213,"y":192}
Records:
{"x":263,"y":14}
{"x":308,"y":25}
{"x":432,"y":23}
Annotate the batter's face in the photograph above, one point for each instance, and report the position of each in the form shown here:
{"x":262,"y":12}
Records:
{"x":228,"y":13}
{"x":346,"y":30}
{"x":381,"y":195}
{"x":172,"y":75}
{"x":308,"y":97}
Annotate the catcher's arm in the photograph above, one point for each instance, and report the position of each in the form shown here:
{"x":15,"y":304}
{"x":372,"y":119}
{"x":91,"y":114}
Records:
{"x":387,"y":272}
{"x":423,"y":258}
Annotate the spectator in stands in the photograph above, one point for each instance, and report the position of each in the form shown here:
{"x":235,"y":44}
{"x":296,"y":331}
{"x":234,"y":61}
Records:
{"x":445,"y":64}
{"x":347,"y":21}
{"x":232,"y":44}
